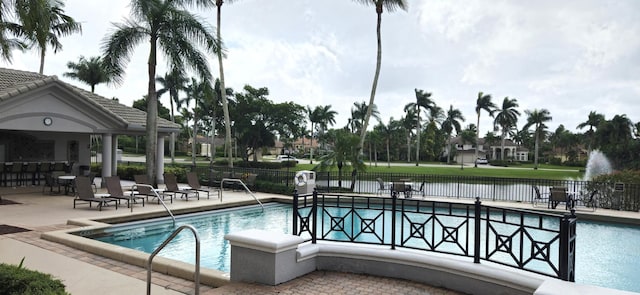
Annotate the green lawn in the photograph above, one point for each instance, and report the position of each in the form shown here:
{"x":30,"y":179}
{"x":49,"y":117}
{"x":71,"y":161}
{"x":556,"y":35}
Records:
{"x":520,"y":172}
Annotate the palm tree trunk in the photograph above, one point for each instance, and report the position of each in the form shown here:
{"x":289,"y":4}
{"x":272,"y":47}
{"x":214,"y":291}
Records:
{"x":450,"y":149}
{"x":409,"y":147}
{"x":152,"y":118}
{"x":225,"y":104}
{"x":42,"y":53}
{"x":172,"y":143}
{"x":388,"y":155}
{"x":535,"y":164}
{"x":363,"y":133}
{"x":418,"y":138}
{"x":475,"y":162}
{"x":504,"y":135}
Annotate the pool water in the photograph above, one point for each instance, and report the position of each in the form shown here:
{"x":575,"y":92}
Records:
{"x":607,"y":254}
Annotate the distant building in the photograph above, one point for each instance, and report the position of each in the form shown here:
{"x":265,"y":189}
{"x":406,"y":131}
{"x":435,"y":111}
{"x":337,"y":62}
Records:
{"x":466,"y":152}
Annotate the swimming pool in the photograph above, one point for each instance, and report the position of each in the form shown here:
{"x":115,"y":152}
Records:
{"x":606,"y":254}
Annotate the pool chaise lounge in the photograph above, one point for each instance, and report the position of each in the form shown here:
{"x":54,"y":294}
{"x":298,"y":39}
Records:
{"x":84,"y":194}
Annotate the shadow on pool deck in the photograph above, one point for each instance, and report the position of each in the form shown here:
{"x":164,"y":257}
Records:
{"x":86,"y":273}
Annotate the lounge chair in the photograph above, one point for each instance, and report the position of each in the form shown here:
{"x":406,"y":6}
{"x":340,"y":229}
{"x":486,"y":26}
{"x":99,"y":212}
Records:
{"x":145,"y":189}
{"x":115,"y":191}
{"x":419,"y":190}
{"x":171,"y":183}
{"x":382,"y":187}
{"x":194,"y":184}
{"x":588,"y":200}
{"x":539,"y":197}
{"x":558,"y":195}
{"x":84,"y":193}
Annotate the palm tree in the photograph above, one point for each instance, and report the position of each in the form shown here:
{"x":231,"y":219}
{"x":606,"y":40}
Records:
{"x":506,"y":119}
{"x":387,"y":131}
{"x":450,"y":123}
{"x":173,"y":82}
{"x":225,"y":103}
{"x":344,"y":153}
{"x":91,"y":71}
{"x":468,"y":135}
{"x":423,"y":100}
{"x":7,"y":43}
{"x":167,"y":25}
{"x":482,"y":103}
{"x":537,"y":118}
{"x":198,"y":91}
{"x":314,"y":118}
{"x":43,"y":22}
{"x":327,"y":118}
{"x":391,"y":6}
{"x":408,"y":123}
{"x":593,"y":121}
{"x":359,"y":113}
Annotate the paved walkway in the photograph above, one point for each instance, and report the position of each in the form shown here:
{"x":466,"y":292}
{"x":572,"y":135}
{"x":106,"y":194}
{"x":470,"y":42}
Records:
{"x":86,"y":273}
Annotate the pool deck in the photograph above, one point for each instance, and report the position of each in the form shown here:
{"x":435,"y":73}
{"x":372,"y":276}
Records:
{"x":86,"y":273}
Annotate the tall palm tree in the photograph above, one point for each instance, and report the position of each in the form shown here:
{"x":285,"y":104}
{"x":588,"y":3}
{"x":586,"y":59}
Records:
{"x":173,"y":82}
{"x":314,"y":118}
{"x":408,"y":123}
{"x":327,"y":118}
{"x":537,"y":118}
{"x":167,"y":26}
{"x":43,"y":22}
{"x":482,"y":103}
{"x":450,"y":123}
{"x":198,"y":92}
{"x":506,"y":119}
{"x":380,"y":5}
{"x":388,"y":131}
{"x":91,"y":71}
{"x":423,"y":100}
{"x":225,"y":102}
{"x":593,"y":121}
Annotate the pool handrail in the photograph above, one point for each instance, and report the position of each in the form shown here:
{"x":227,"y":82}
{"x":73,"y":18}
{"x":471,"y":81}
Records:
{"x":196,"y":276}
{"x":153,"y":189}
{"x":244,"y":185}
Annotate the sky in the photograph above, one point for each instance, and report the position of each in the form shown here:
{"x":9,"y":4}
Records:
{"x":569,"y":57}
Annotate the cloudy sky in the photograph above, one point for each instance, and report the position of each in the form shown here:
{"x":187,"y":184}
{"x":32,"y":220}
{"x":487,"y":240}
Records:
{"x":570,"y":57}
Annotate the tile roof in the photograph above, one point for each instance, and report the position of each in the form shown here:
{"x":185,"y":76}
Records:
{"x":15,"y":82}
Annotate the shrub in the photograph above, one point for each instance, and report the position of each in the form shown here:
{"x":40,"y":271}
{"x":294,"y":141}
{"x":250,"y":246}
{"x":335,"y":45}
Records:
{"x":17,"y":280}
{"x":627,"y":200}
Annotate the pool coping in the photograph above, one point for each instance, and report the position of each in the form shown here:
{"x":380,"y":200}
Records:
{"x":183,"y":270}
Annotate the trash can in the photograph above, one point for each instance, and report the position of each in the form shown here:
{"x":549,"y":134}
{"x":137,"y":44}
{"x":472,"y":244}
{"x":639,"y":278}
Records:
{"x":305,"y":181}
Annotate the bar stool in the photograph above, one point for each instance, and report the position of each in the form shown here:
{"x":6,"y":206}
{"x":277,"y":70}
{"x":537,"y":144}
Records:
{"x":18,"y":172}
{"x":31,"y":169}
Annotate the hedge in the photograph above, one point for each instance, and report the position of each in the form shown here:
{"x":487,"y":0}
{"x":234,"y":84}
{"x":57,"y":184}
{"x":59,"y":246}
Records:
{"x":21,"y":281}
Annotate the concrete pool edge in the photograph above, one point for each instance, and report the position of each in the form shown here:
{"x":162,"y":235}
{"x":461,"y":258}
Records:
{"x":183,"y":270}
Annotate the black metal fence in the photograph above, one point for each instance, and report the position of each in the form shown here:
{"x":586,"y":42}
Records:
{"x":609,"y":195}
{"x":531,"y":241}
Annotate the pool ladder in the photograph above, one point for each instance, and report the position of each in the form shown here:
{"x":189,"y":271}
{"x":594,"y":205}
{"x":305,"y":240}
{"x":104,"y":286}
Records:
{"x":157,"y":197}
{"x":244,"y":185}
{"x":169,"y":239}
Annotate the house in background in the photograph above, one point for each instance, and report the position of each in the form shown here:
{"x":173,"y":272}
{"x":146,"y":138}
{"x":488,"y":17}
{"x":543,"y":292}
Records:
{"x":43,"y":119}
{"x":466,"y":152}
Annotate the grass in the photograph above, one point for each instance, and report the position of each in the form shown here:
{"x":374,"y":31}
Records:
{"x":502,"y":172}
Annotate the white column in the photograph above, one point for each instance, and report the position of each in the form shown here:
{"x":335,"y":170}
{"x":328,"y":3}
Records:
{"x":106,"y":156}
{"x":160,"y":160}
{"x":114,"y":156}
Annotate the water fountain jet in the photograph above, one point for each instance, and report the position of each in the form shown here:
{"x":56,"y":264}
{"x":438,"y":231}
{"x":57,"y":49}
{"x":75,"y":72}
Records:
{"x":598,"y":164}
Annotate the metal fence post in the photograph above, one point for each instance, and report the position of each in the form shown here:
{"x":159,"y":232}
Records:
{"x":568,"y":246}
{"x":476,"y":235}
{"x":394,"y":198}
{"x":314,"y":217}
{"x":295,"y":213}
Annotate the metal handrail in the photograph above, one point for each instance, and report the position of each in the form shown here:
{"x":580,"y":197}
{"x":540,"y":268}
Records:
{"x":245,"y":187}
{"x":169,"y":239}
{"x":133,"y":187}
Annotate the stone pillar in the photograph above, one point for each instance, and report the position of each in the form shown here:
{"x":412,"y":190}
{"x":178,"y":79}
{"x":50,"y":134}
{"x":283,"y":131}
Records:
{"x":106,"y":156}
{"x":160,"y":160}
{"x":114,"y":156}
